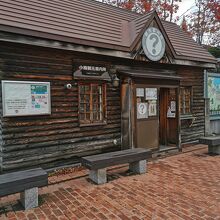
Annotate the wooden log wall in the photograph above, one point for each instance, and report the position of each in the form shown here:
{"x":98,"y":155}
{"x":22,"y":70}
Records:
{"x":191,"y":132}
{"x":57,"y":139}
{"x":1,"y":141}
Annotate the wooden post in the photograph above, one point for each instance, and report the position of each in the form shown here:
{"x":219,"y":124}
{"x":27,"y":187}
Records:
{"x":126,"y":114}
{"x":179,"y":144}
{"x":207,"y":117}
{"x":1,"y":161}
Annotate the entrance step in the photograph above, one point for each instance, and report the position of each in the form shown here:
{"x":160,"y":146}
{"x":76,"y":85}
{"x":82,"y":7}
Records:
{"x":163,"y":148}
{"x":165,"y":151}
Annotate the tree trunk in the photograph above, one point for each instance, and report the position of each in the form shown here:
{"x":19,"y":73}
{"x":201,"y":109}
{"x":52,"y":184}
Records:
{"x":198,"y":25}
{"x":171,"y":12}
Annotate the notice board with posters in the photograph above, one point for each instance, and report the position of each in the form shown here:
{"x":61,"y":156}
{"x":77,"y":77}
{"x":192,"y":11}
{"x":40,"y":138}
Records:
{"x":23,"y":98}
{"x":212,"y":91}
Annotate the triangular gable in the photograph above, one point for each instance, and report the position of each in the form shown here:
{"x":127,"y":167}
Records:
{"x":152,"y":21}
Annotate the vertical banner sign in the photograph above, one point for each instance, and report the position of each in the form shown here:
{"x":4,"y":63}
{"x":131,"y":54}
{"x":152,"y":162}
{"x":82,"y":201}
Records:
{"x":22,"y":98}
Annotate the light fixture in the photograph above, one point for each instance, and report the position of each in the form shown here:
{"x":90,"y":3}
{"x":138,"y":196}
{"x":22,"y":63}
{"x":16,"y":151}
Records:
{"x":114,"y":77}
{"x":68,"y":86}
{"x":115,"y":81}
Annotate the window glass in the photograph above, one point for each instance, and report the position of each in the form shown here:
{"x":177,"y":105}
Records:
{"x":92,"y":99}
{"x":185,"y":100}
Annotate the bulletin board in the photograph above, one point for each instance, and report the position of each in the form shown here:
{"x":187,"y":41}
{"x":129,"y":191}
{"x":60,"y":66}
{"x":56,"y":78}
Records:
{"x":212,"y":91}
{"x":23,"y":98}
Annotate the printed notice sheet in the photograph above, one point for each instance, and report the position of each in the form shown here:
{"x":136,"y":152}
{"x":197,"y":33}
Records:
{"x":25,"y":98}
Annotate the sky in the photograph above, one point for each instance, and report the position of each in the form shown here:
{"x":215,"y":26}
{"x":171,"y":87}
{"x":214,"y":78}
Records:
{"x":184,"y":6}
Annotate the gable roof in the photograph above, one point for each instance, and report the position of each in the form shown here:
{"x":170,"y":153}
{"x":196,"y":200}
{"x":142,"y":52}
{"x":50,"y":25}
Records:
{"x":88,"y":22}
{"x":185,"y":46}
{"x":142,"y":23}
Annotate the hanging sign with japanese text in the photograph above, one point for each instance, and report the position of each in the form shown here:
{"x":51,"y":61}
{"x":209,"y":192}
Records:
{"x":94,"y":70}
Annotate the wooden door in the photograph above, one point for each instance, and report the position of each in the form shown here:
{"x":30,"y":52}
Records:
{"x":147,"y":119}
{"x":172,"y":130}
{"x":163,"y":100}
{"x":168,"y":116}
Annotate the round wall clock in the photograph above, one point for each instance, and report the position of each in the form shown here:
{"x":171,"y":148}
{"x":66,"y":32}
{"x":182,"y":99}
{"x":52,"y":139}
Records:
{"x":153,"y":44}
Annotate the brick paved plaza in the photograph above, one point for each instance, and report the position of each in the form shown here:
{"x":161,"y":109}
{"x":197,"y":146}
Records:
{"x":183,"y":186}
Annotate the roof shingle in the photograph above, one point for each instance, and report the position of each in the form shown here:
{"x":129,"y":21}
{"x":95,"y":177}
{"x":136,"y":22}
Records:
{"x":89,"y":21}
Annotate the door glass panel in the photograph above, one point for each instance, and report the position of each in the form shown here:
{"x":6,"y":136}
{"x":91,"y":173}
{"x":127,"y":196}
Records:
{"x":142,"y":107}
{"x":146,"y":102}
{"x":151,"y":96}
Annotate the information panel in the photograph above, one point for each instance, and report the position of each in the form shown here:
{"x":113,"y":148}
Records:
{"x":23,"y":98}
{"x":213,"y":93}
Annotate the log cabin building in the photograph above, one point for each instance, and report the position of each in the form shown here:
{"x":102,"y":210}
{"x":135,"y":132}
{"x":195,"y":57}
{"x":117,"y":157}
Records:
{"x":81,"y":77}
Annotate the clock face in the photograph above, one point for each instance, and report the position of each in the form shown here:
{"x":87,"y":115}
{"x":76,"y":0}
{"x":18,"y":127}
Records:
{"x":153,"y":44}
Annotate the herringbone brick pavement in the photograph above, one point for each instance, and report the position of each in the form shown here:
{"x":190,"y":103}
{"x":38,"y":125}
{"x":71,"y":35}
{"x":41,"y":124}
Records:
{"x":183,"y":186}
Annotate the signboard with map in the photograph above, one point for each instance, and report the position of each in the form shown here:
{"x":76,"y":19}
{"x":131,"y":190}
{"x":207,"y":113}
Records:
{"x":213,"y":93}
{"x":21,"y":98}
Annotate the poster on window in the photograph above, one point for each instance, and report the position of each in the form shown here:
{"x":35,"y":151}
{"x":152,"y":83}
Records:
{"x":22,"y":98}
{"x":173,"y":106}
{"x":140,"y":92}
{"x":170,"y":114}
{"x":142,"y":110}
{"x":151,"y":93}
{"x":152,"y":108}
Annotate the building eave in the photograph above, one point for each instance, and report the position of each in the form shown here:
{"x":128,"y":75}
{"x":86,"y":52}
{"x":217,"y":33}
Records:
{"x":54,"y":44}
